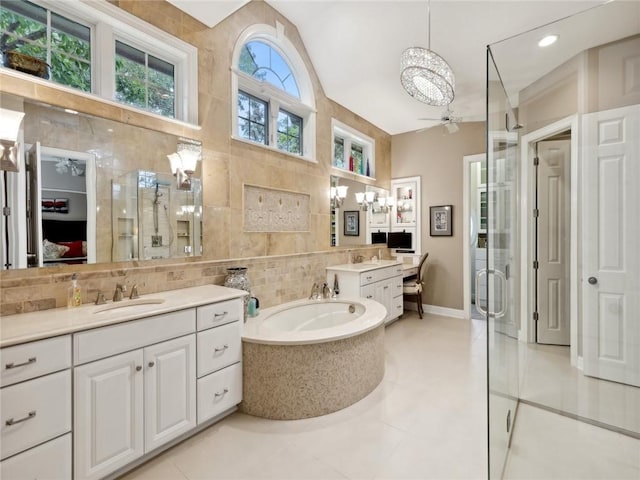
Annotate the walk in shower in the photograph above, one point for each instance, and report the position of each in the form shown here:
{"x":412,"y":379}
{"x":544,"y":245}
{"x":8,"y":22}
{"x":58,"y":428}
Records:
{"x":563,"y":248}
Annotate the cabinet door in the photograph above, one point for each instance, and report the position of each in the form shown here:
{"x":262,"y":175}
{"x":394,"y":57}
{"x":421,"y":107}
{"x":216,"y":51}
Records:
{"x":108,"y":430}
{"x":170,"y":390}
{"x":384,"y":295}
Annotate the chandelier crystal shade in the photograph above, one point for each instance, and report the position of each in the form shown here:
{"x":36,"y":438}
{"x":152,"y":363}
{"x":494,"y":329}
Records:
{"x":427,"y":77}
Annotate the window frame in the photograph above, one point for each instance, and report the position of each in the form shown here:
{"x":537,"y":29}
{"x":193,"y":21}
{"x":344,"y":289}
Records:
{"x":276,"y":98}
{"x":350,"y":136}
{"x":108,"y":23}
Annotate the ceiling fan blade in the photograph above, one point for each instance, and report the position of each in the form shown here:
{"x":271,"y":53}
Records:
{"x":431,"y":119}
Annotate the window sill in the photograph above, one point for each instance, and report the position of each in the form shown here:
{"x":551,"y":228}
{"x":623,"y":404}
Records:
{"x":273,"y":149}
{"x":78,"y":101}
{"x":357,"y":175}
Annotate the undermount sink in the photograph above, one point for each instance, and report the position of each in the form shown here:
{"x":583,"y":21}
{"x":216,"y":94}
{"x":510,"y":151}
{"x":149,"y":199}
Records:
{"x":129,"y":304}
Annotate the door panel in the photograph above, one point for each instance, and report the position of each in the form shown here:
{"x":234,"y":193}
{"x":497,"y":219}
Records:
{"x":611,"y":257}
{"x":554,"y":222}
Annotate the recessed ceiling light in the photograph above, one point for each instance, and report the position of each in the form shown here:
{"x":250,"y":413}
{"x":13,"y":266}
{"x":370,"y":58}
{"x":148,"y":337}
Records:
{"x":548,"y":40}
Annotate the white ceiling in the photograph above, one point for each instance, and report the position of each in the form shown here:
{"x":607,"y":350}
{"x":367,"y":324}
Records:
{"x":355,"y":47}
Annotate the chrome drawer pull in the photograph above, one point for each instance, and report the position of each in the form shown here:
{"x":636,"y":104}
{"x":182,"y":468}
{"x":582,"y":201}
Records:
{"x":29,"y":416}
{"x":11,"y":365}
{"x":216,"y":395}
{"x":216,"y":350}
{"x":216,"y":315}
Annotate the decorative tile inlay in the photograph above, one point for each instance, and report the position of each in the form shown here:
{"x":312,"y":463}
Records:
{"x":271,"y":210}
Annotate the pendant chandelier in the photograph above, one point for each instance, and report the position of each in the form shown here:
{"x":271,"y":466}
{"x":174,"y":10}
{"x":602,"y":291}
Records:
{"x":425,"y":75}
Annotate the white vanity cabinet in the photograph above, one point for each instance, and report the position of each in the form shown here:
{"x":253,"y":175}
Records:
{"x":128,"y":404}
{"x":35,"y":401}
{"x":134,"y":380}
{"x":380,"y":281}
{"x":219,"y":357}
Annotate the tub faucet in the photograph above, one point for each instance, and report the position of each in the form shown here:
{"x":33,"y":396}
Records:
{"x":120,"y":289}
{"x":327,"y":291}
{"x":316,"y":293}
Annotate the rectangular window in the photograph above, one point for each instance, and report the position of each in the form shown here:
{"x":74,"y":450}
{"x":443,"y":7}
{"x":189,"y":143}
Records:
{"x":144,"y":81}
{"x":338,"y":152}
{"x":357,"y":152}
{"x":63,"y":43}
{"x":252,"y":118}
{"x":289,"y":132}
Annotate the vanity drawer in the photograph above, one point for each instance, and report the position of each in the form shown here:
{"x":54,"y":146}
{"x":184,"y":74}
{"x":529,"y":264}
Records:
{"x":34,"y":359}
{"x":40,"y":408}
{"x":220,"y":313}
{"x":107,"y":341}
{"x":219,"y":347}
{"x":368,"y":277}
{"x":219,"y":392}
{"x":388,"y":272}
{"x":51,"y":460}
{"x":397,"y":286}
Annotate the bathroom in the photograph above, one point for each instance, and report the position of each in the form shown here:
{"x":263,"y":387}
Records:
{"x":282,"y":266}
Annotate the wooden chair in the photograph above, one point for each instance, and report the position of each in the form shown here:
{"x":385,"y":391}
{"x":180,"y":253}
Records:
{"x":412,"y":288}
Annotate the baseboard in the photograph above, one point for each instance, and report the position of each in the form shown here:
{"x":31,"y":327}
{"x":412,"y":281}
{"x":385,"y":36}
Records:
{"x":436,"y":310}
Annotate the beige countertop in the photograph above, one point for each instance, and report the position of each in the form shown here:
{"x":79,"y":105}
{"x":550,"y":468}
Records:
{"x":26,"y":327}
{"x":364,"y":266}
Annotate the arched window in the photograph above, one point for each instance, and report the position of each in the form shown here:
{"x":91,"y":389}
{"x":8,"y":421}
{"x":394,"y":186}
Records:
{"x":273,"y":101}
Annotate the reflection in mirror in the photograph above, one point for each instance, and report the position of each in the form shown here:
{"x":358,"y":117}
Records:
{"x":61,"y":227}
{"x":107,"y":150}
{"x":155,"y":217}
{"x":369,"y":204}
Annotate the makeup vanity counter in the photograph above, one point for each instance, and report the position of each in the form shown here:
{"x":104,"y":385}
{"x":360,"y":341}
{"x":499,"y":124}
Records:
{"x":379,"y":280}
{"x":105,"y":387}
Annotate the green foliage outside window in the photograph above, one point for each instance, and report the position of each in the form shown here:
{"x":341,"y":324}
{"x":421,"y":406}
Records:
{"x":68,"y":55}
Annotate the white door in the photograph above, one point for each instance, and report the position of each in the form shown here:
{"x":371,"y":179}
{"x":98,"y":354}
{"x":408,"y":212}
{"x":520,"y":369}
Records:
{"x":108,"y":429}
{"x":553,"y":234}
{"x":611,"y":255}
{"x":170,"y":390}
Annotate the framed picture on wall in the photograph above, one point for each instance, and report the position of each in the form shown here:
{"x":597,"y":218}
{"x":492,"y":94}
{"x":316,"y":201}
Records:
{"x":352,"y":223}
{"x":441,"y":221}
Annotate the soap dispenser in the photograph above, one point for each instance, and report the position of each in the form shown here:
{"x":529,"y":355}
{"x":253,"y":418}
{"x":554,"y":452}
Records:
{"x":74,"y":293}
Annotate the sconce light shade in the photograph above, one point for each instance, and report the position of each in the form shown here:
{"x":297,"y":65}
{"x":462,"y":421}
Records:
{"x":359,"y":197}
{"x":189,"y":160}
{"x":175,"y":161}
{"x":184,"y":162}
{"x":10,"y":121}
{"x":342,"y":191}
{"x":369,"y":196}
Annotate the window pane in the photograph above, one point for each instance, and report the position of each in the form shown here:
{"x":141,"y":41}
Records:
{"x":356,"y":153}
{"x":70,"y":53}
{"x":338,"y":152}
{"x":265,"y":64}
{"x":289,"y":132}
{"x":161,"y":87}
{"x":144,"y":81}
{"x":24,"y":28}
{"x":131,"y":87}
{"x":252,"y":118}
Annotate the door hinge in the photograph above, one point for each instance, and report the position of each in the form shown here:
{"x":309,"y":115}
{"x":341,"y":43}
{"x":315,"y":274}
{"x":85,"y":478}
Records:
{"x":6,"y":211}
{"x":507,"y":271}
{"x":535,"y":316}
{"x":535,"y":264}
{"x":536,"y":213}
{"x":536,"y":161}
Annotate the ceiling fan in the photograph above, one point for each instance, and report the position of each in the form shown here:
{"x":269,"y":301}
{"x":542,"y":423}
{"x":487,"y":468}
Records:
{"x":447,"y":120}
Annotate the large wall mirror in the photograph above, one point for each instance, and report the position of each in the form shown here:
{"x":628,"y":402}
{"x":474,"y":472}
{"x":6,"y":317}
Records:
{"x":76,"y":172}
{"x":360,"y":213}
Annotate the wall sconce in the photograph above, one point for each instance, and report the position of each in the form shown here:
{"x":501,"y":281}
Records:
{"x":10,"y":121}
{"x":338,"y":194}
{"x":184,"y":162}
{"x":386,"y":204}
{"x":365,"y":199}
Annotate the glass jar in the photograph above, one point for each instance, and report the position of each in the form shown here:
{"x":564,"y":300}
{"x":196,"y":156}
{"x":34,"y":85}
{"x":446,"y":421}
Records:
{"x":237,"y":278}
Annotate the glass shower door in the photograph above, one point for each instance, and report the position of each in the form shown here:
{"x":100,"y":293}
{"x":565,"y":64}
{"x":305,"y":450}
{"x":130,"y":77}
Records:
{"x":501,"y":270}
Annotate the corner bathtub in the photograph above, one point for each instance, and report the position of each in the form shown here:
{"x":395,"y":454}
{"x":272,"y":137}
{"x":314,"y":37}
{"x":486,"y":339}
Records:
{"x":308,"y":358}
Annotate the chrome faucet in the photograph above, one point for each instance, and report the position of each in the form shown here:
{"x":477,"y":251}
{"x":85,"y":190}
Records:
{"x":120,"y":289}
{"x":327,"y":291}
{"x":316,"y":292}
{"x":134,"y":292}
